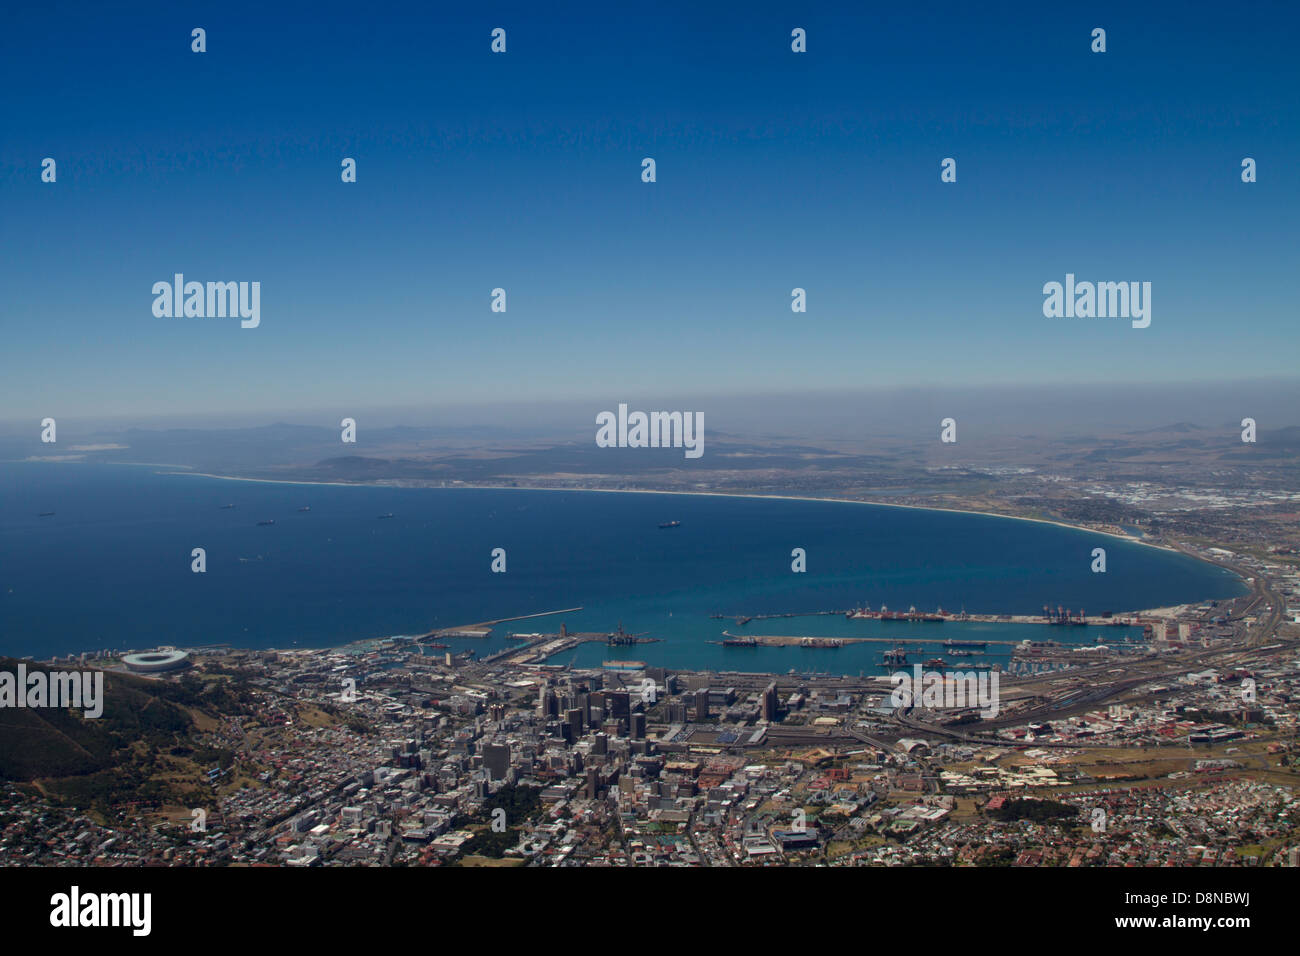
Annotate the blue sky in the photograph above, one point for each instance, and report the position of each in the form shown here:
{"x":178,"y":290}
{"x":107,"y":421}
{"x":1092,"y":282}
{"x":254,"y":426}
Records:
{"x":775,"y":170}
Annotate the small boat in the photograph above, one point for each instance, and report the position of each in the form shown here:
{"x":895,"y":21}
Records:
{"x":305,"y":508}
{"x":46,"y":514}
{"x":269,"y":521}
{"x":671,"y":524}
{"x":389,"y":515}
{"x":225,"y":507}
{"x":936,"y":662}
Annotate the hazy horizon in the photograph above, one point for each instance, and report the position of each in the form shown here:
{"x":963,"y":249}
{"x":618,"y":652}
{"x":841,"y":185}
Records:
{"x":796,"y":416}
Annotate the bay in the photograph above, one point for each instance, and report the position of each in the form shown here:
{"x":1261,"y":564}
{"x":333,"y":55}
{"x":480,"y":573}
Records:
{"x":111,"y":568}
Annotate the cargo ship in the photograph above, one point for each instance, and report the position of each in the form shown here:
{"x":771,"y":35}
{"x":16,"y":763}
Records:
{"x":623,"y":665}
{"x":731,"y":641}
{"x":973,"y":645}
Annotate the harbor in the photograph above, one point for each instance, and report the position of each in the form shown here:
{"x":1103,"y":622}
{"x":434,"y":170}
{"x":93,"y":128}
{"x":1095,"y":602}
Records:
{"x":788,"y":640}
{"x":1060,"y":617}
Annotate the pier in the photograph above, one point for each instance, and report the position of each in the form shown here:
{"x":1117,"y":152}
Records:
{"x":484,"y":628}
{"x":525,"y":617}
{"x":1061,"y":617}
{"x":786,"y":640}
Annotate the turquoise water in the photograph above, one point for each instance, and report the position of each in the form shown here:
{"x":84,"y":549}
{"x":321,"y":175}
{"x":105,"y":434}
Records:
{"x":111,"y":567}
{"x":847,"y":659}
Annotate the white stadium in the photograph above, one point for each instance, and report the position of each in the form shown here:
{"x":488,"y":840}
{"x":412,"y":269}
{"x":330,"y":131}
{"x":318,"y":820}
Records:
{"x":157,"y":662}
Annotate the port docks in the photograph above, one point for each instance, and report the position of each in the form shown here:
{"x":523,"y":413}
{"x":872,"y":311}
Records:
{"x":1059,"y":618}
{"x":1040,"y":653}
{"x":538,"y":647}
{"x":785,"y":640}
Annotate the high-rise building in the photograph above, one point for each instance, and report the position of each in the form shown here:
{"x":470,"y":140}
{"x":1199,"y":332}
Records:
{"x":618,"y":704}
{"x":496,"y":760}
{"x":771,"y":702}
{"x":573,"y":723}
{"x":548,"y":705}
{"x":702,"y":705}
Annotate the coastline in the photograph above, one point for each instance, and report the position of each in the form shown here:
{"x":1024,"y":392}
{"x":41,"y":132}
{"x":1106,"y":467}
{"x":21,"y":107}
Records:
{"x":168,"y":470}
{"x":695,"y":494}
{"x":1168,"y":549}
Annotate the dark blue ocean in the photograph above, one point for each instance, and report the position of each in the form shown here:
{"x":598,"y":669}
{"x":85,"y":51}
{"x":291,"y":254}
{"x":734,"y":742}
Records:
{"x":111,"y":567}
